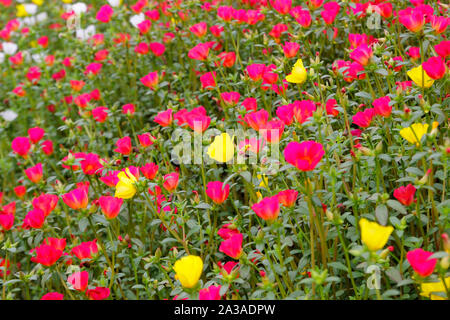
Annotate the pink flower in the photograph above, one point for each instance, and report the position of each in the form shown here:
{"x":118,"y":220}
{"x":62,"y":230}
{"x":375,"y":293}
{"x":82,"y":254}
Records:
{"x":34,"y":219}
{"x":146,"y":139}
{"x":303,"y":110}
{"x":232,"y":247}
{"x":330,"y":107}
{"x":100,"y":114}
{"x":79,"y":280}
{"x":282,"y":6}
{"x":364,"y":118}
{"x":21,"y":146}
{"x":210,"y":293}
{"x":290,"y":49}
{"x":199,"y":52}
{"x":86,"y":250}
{"x":123,"y":146}
{"x":257,"y":120}
{"x":104,"y":14}
{"x":420,"y":262}
{"x":217,"y":191}
{"x":287,"y":197}
{"x":53,"y":296}
{"x":34,"y":173}
{"x":381,"y":106}
{"x":99,"y":293}
{"x":171,"y":181}
{"x":45,"y":202}
{"x":435,"y":67}
{"x":110,"y":206}
{"x":157,"y":48}
{"x":199,"y":29}
{"x":230,"y":98}
{"x":305,"y":156}
{"x":443,"y":49}
{"x":267,"y":209}
{"x":272,"y":130}
{"x":150,"y":80}
{"x":331,"y":9}
{"x":164,"y":118}
{"x":208,"y":80}
{"x":413,"y":19}
{"x":362,"y":54}
{"x":76,"y":199}
{"x":149,"y":170}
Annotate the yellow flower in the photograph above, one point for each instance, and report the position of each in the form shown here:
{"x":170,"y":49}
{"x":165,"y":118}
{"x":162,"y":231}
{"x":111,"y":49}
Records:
{"x":415,"y":132}
{"x":21,"y":11}
{"x":298,"y":74}
{"x":125,"y":188}
{"x":264,"y":181}
{"x":416,"y":75}
{"x":38,"y":2}
{"x":188,"y":270}
{"x":67,"y":1}
{"x":373,"y":235}
{"x":222,"y":148}
{"x":428,"y":288}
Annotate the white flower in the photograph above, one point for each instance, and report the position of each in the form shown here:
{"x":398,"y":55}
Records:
{"x":8,"y":115}
{"x":38,"y":57}
{"x":42,"y":16}
{"x":136,"y":19}
{"x":31,"y":8}
{"x":2,"y":57}
{"x":29,"y":21}
{"x":85,"y":34}
{"x":9,"y":48}
{"x":114,"y":3}
{"x":79,"y":8}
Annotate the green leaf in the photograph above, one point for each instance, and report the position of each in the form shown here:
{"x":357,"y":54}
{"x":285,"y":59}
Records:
{"x":381,"y":213}
{"x":394,"y":204}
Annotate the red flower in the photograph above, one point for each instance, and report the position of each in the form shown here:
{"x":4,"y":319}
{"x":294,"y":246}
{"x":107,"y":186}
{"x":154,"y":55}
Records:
{"x":381,"y":106}
{"x":47,"y":147}
{"x":146,"y":139}
{"x":99,"y":293}
{"x":272,"y":130}
{"x":157,"y":48}
{"x":86,"y":250}
{"x":53,"y":296}
{"x":257,"y":120}
{"x":149,"y":170}
{"x":100,"y":114}
{"x":20,"y":191}
{"x":405,"y":195}
{"x":330,"y":11}
{"x":34,"y":219}
{"x":290,"y":49}
{"x":362,"y":54}
{"x":91,"y":164}
{"x":199,"y":52}
{"x":46,"y":255}
{"x":199,"y":29}
{"x":59,"y":244}
{"x":104,"y":14}
{"x":208,"y":80}
{"x":210,"y":293}
{"x":79,"y":280}
{"x":151,"y":80}
{"x":435,"y":67}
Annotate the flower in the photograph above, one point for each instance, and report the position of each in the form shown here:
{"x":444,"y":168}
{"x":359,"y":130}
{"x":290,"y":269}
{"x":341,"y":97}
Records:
{"x":146,"y":139}
{"x":362,"y":54}
{"x":305,"y":156}
{"x":188,"y":270}
{"x":267,"y":209}
{"x":36,"y":134}
{"x":53,"y":296}
{"x":381,"y":106}
{"x":405,"y":195}
{"x":257,"y":119}
{"x":415,"y":132}
{"x":217,"y":191}
{"x":298,"y":73}
{"x":429,"y":288}
{"x":287,"y":197}
{"x":125,"y":188}
{"x":199,"y":29}
{"x":104,"y":14}
{"x":149,"y":170}
{"x":99,"y":293}
{"x":420,"y":262}
{"x":171,"y":181}
{"x":420,"y":77}
{"x":210,"y":293}
{"x":110,"y":206}
{"x":199,"y":52}
{"x":21,"y":146}
{"x":290,"y":49}
{"x":34,"y":173}
{"x":123,"y":146}
{"x":364,"y":118}
{"x":435,"y":67}
{"x":79,"y":280}
{"x":222,"y":148}
{"x":76,"y":199}
{"x":373,"y":235}
{"x":232,"y":246}
{"x":34,"y":219}
{"x":150,"y":80}
{"x":46,"y":255}
{"x":85,"y":250}
{"x":164,"y":118}
{"x":412,"y":19}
